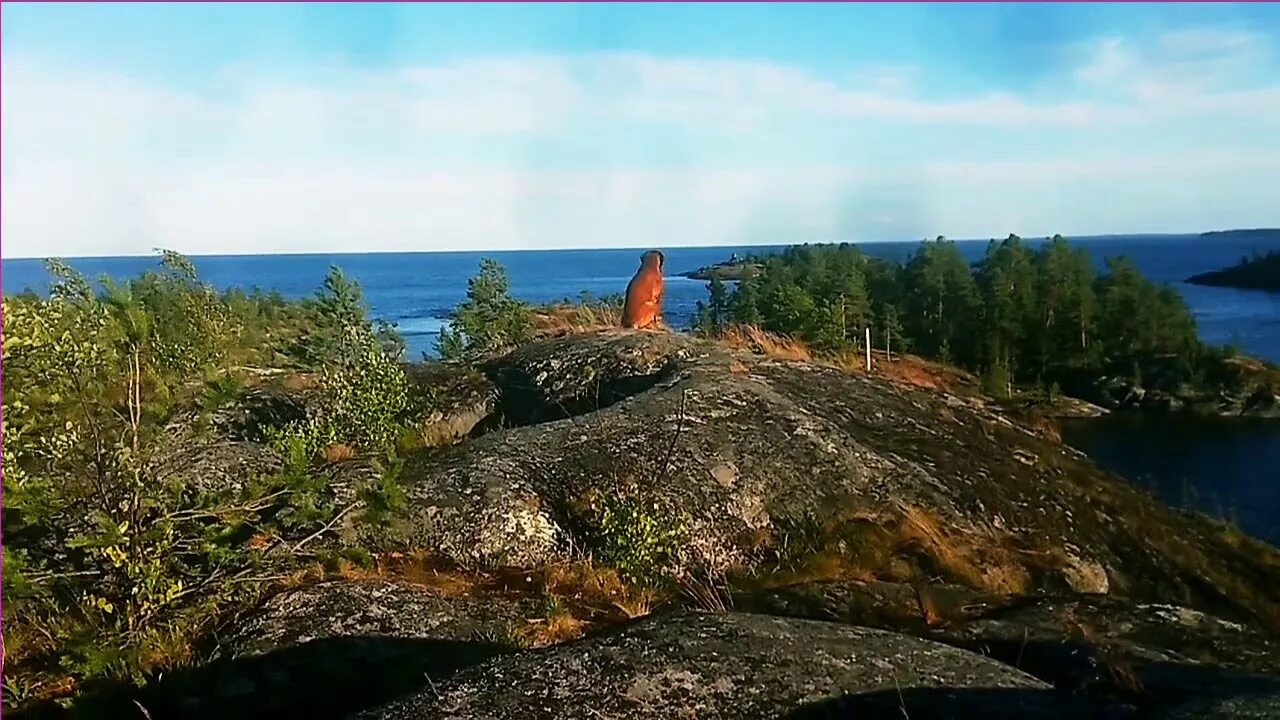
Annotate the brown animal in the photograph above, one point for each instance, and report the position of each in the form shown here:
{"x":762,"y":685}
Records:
{"x":643,"y":307}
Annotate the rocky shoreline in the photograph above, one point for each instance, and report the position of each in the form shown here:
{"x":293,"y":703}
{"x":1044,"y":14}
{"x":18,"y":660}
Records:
{"x":731,"y":270}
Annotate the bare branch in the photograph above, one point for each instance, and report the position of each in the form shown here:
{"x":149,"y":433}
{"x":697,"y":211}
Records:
{"x":327,"y":527}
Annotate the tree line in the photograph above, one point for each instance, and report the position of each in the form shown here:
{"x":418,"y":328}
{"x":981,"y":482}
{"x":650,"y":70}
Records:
{"x":1031,"y":315}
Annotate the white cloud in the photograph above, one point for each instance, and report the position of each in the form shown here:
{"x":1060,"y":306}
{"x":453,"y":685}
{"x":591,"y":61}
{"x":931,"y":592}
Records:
{"x":1178,"y":65}
{"x":440,"y":157}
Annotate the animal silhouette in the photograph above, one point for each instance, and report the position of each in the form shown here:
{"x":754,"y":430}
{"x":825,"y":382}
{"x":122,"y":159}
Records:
{"x":643,"y":306}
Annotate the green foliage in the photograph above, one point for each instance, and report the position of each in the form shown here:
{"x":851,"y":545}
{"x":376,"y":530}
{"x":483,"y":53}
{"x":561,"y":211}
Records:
{"x":112,"y":563}
{"x":335,"y":316}
{"x":102,"y":547}
{"x":941,"y":303}
{"x":710,"y":319}
{"x":364,"y":401}
{"x":488,"y":321}
{"x":997,"y":381}
{"x":1037,"y":315}
{"x":891,"y":330}
{"x":386,"y":498}
{"x":637,"y":538}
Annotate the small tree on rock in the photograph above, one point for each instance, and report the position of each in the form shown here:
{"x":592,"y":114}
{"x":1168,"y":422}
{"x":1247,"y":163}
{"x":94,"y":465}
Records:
{"x":489,"y":321}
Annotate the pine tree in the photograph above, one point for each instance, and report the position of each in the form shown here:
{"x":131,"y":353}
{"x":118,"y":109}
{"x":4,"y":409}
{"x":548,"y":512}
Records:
{"x":891,"y":329}
{"x":489,"y":319}
{"x":942,"y":302}
{"x":1006,"y":281}
{"x":744,"y":303}
{"x":717,"y":309}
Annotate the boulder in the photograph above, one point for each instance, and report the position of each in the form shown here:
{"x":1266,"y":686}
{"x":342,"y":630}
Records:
{"x":216,"y":465}
{"x":460,"y":401}
{"x":371,"y":608}
{"x":1159,"y":658}
{"x":732,"y":665}
{"x":329,"y":649}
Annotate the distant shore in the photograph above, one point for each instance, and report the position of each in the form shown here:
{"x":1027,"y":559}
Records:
{"x":733,"y":269}
{"x":1260,"y":272}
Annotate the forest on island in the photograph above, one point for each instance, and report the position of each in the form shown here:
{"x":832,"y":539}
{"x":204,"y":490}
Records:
{"x":1033,"y":316}
{"x":1260,"y":271}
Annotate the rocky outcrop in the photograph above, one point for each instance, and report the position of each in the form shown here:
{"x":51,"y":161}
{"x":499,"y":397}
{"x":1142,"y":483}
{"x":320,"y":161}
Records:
{"x":330,"y":649}
{"x":738,"y":665}
{"x":371,"y":608}
{"x":213,"y":465}
{"x":1141,"y":655}
{"x":731,"y":665}
{"x":1240,"y":386}
{"x":890,"y":551}
{"x":742,"y":454}
{"x":461,"y":401}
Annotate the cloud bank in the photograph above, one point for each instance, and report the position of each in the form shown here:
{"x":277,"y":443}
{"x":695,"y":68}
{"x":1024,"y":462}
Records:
{"x":1177,"y":133}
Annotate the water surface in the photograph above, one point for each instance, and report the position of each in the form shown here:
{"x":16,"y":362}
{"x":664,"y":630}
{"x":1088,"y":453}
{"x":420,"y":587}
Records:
{"x":1226,"y":467}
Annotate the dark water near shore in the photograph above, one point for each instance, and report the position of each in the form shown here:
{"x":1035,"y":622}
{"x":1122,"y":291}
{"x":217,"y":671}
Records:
{"x":1210,"y":463}
{"x":1226,"y":467}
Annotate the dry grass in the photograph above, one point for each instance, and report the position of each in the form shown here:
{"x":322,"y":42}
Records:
{"x":581,"y":582}
{"x":425,"y":570}
{"x":1046,"y":428}
{"x":578,"y":595}
{"x":586,"y":592}
{"x":982,"y":561}
{"x":336,"y":453}
{"x":907,"y":544}
{"x":901,"y":369}
{"x":1120,"y":671}
{"x":300,"y":381}
{"x":930,"y":613}
{"x":565,"y":319}
{"x":559,"y":626}
{"x":918,"y":372}
{"x":600,"y":589}
{"x":753,"y":339}
{"x":708,"y":593}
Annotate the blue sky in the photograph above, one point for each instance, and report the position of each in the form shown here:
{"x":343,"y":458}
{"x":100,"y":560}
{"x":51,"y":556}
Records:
{"x":276,"y":128}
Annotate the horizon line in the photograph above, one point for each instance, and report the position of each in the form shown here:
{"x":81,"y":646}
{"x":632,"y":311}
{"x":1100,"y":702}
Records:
{"x":308,"y":253}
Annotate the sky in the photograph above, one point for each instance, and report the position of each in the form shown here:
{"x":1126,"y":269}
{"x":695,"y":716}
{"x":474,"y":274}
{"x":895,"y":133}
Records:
{"x":258,"y":128}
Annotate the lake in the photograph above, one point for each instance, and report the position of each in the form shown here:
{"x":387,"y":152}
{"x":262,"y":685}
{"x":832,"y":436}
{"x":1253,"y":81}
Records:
{"x":1209,"y":463}
{"x":1226,"y":467}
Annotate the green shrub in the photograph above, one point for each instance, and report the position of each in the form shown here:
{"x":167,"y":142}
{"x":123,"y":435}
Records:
{"x":364,"y":402}
{"x":111,"y":564}
{"x":637,"y":538}
{"x":488,"y":321}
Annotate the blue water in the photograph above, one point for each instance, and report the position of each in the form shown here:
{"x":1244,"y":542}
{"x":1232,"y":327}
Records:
{"x":1216,"y":465}
{"x":417,"y":290}
{"x":1226,"y":467}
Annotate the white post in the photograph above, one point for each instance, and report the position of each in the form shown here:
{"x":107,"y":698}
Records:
{"x":868,"y":348}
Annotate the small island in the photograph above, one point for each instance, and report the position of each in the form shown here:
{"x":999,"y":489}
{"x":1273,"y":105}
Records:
{"x":1236,"y":234}
{"x":1260,"y":272}
{"x":735,"y":268}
